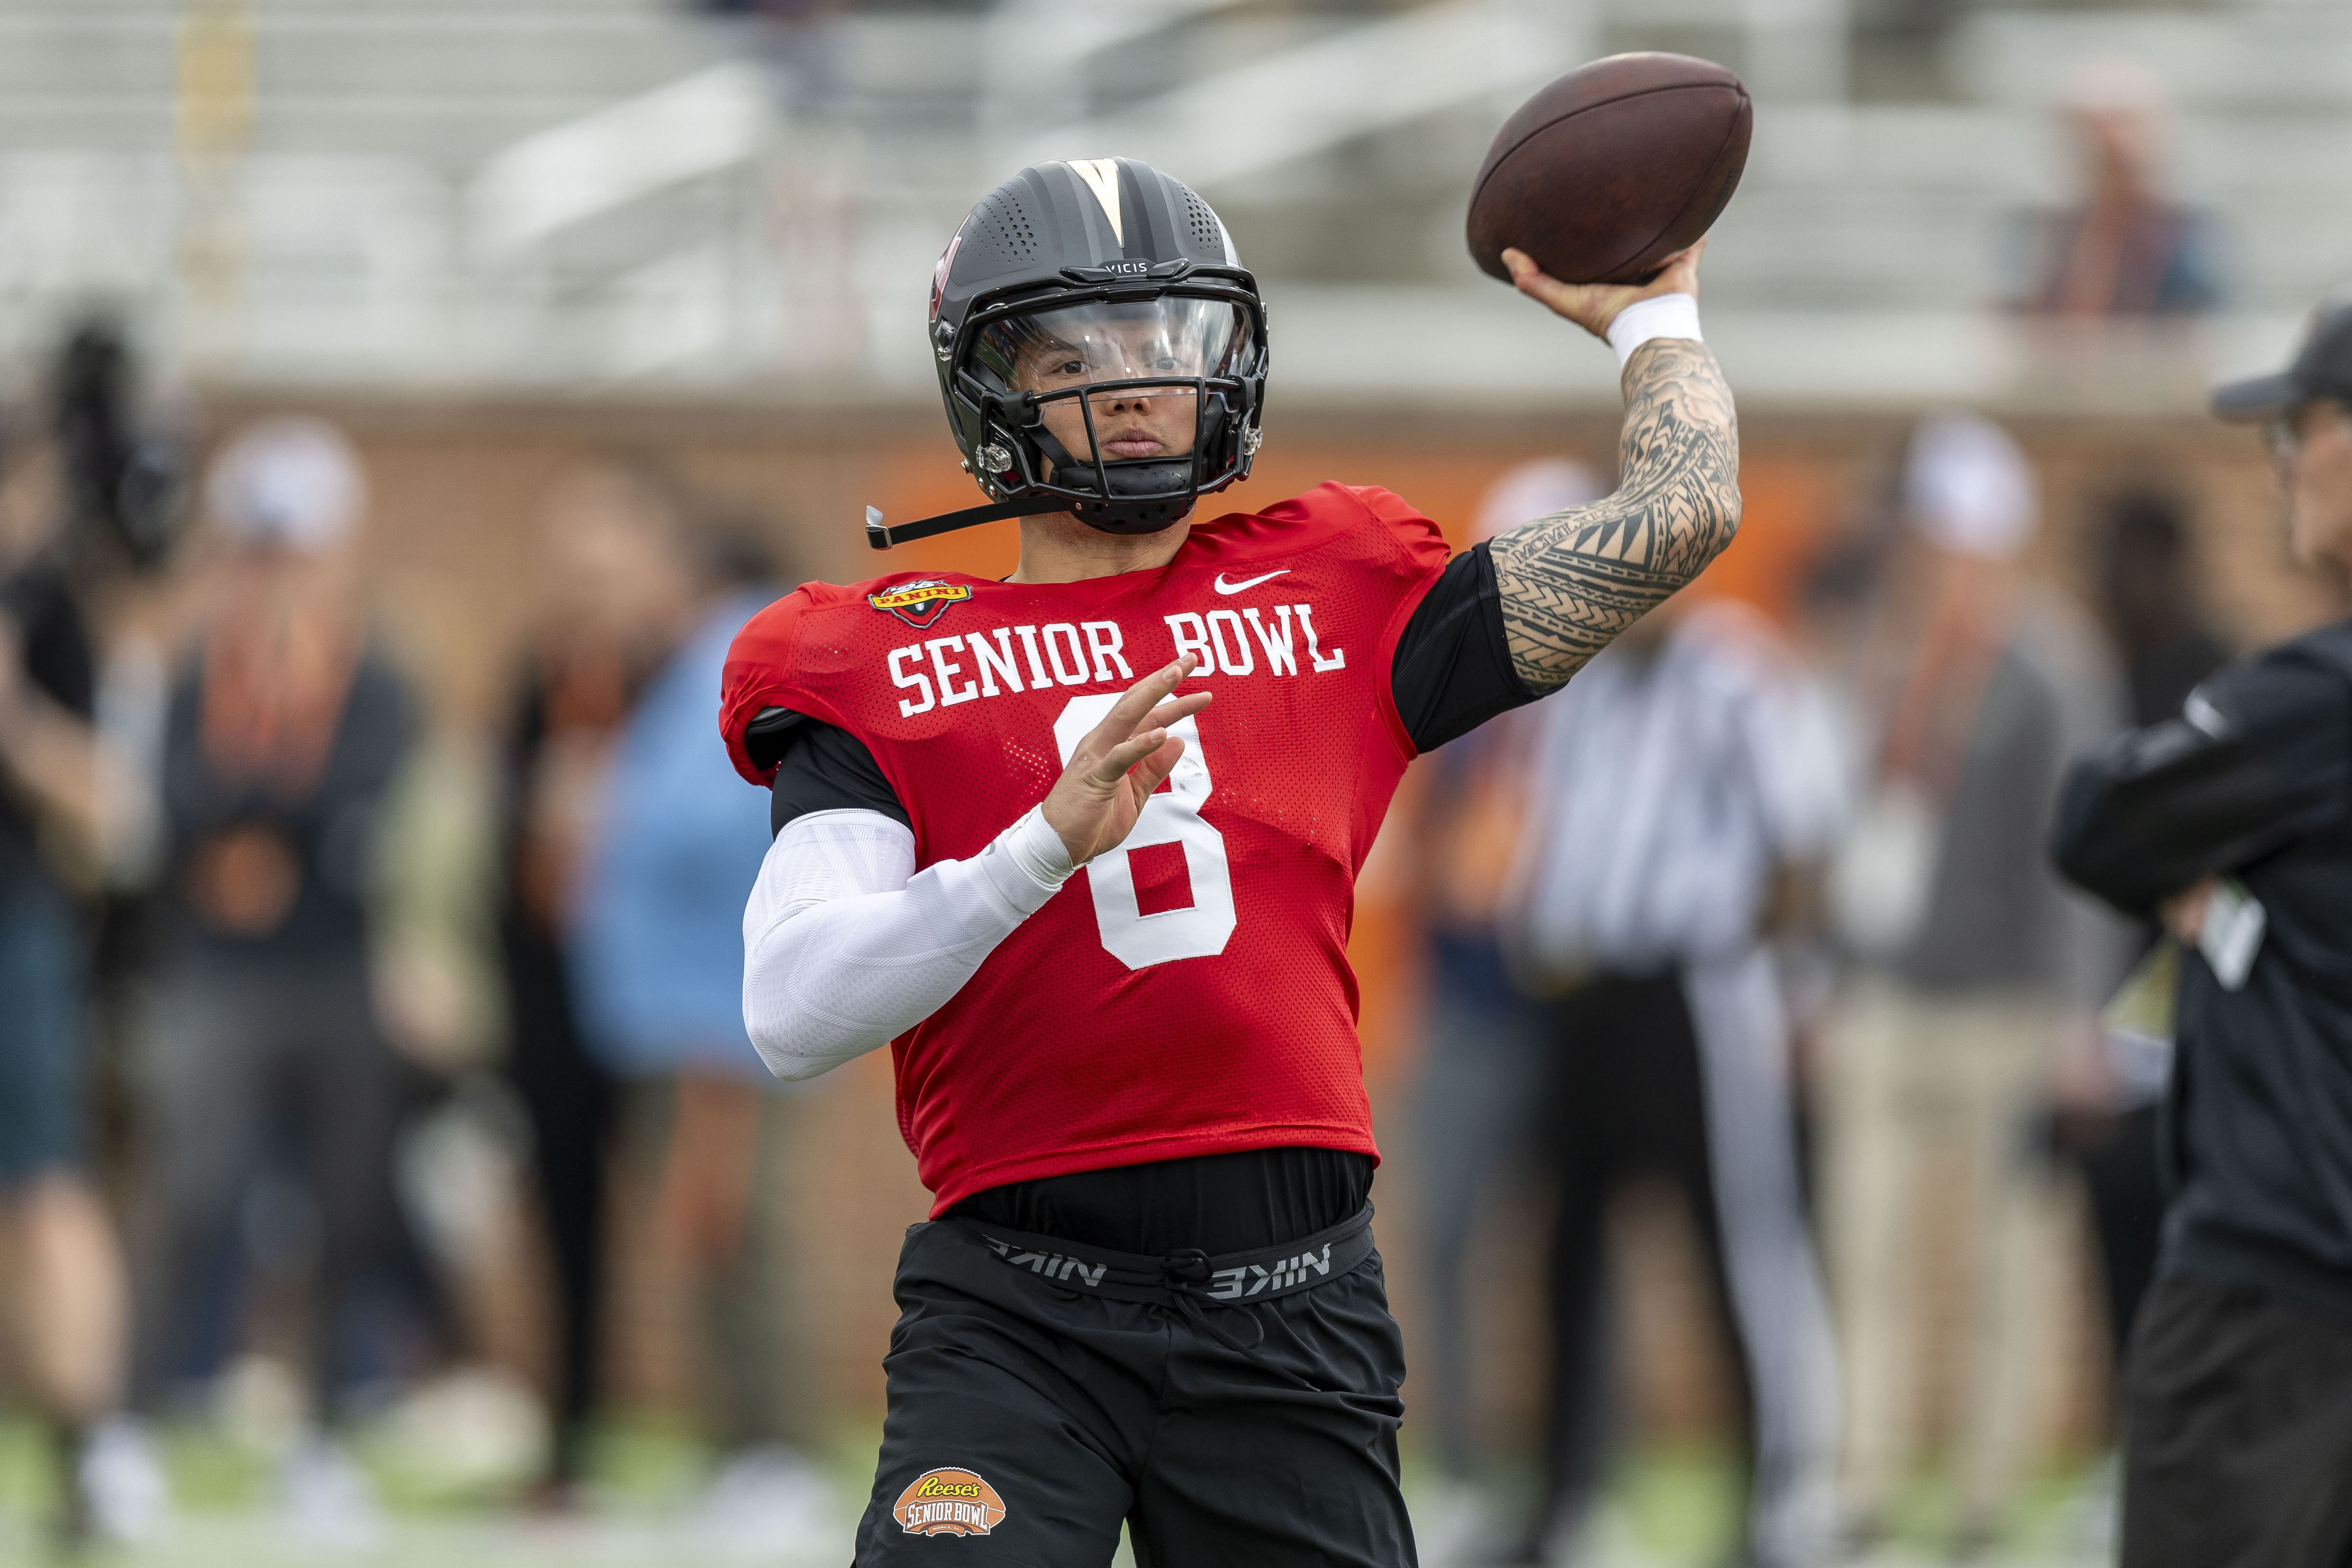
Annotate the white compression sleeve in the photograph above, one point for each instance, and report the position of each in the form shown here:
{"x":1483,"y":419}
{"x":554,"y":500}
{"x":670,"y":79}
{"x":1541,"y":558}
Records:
{"x":846,"y":946}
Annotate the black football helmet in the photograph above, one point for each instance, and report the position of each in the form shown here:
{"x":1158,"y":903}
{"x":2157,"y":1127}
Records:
{"x":1083,"y":288}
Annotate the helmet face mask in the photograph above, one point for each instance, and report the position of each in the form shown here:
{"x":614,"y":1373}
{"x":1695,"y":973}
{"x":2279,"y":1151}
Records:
{"x":1100,"y":349}
{"x":1128,"y":408}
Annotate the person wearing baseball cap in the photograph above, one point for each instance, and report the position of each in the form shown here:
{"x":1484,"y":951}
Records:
{"x":287,"y":729}
{"x":2306,"y":412}
{"x":2233,"y":824}
{"x":2322,"y":372}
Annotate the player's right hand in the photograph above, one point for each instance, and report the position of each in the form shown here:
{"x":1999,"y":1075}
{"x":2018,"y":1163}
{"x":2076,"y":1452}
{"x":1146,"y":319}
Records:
{"x":1593,"y":306}
{"x":1094,"y":805}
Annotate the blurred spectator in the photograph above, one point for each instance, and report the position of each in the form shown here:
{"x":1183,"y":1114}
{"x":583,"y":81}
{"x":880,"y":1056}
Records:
{"x":611,"y":615}
{"x":803,"y":44}
{"x":2149,"y":590}
{"x":285,"y":729}
{"x":1475,"y":1104}
{"x":1681,"y":780}
{"x":61,"y":1283}
{"x":2124,"y":248}
{"x":1975,"y":966}
{"x":657,"y":978}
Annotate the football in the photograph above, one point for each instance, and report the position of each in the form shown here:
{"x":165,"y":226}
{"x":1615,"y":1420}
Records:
{"x":1613,"y":168}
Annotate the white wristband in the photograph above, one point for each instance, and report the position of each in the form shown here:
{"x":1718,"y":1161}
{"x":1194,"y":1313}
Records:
{"x":1662,"y":316}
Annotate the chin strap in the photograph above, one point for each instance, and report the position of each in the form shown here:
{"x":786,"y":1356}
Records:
{"x":882,"y":535}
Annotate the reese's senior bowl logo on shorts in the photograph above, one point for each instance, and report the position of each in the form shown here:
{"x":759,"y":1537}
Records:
{"x":949,"y":1502}
{"x":919,"y":604}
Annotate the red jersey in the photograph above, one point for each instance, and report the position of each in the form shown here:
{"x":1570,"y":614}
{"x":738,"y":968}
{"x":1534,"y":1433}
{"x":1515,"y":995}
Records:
{"x":1188,"y":992}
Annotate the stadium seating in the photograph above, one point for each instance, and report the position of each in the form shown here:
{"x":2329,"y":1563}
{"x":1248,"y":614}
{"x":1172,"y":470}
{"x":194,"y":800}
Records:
{"x":545,"y":193}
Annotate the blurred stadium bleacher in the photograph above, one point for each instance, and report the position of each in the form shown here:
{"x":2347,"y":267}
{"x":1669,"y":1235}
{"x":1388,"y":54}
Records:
{"x":591,"y":193}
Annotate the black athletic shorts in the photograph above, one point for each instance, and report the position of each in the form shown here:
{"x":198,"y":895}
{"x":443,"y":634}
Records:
{"x":1238,"y":1410}
{"x":2237,"y":1432}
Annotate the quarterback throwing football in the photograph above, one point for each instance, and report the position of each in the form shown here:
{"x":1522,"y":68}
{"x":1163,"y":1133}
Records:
{"x":1080,"y":846}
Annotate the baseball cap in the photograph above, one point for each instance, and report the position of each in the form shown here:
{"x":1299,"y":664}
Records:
{"x":288,"y":484}
{"x":1967,"y":486}
{"x":2322,"y":368}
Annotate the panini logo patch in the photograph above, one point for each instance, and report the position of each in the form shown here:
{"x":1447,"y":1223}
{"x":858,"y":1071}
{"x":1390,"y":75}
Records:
{"x":949,"y":1502}
{"x":919,"y":604}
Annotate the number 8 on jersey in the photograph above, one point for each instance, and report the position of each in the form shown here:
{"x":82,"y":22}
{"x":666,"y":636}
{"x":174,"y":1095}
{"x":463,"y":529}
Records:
{"x":1172,"y":816}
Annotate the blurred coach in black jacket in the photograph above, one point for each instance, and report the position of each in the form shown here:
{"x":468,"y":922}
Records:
{"x":2238,"y":1396}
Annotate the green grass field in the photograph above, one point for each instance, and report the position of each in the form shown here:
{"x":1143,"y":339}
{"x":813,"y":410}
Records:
{"x":1668,"y":1508}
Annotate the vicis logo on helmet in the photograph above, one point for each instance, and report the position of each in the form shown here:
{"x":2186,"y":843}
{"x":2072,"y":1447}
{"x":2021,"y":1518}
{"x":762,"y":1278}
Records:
{"x":949,"y":1502}
{"x":919,"y":604}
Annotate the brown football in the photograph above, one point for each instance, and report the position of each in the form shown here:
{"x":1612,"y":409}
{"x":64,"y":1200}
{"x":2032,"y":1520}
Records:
{"x":1613,"y":168}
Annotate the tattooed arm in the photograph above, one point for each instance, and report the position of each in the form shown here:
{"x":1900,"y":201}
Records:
{"x":1573,"y":581}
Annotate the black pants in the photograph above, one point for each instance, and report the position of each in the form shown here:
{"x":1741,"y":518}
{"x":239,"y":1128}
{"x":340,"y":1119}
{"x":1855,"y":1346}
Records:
{"x":2116,"y":1153}
{"x":1030,"y":1415}
{"x":2237,"y":1433}
{"x":573,"y":1106}
{"x":1627,"y":1099}
{"x":249,"y":1068}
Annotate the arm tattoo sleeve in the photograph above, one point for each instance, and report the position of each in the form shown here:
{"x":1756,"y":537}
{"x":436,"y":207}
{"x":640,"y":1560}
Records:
{"x":1570,"y":582}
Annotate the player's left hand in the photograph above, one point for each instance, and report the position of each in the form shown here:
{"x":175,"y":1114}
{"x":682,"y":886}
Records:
{"x":1113,"y":770}
{"x":1593,"y":306}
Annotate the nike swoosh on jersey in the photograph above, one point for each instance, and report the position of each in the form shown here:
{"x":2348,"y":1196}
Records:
{"x":1224,"y":587}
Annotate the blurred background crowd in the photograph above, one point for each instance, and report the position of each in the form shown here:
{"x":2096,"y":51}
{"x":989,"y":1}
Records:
{"x":404,"y":403}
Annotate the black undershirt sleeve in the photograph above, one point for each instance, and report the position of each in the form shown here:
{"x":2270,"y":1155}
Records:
{"x":819,"y":767}
{"x":1453,"y":666}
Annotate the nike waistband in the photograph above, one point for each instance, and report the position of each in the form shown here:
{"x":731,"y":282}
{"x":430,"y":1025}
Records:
{"x":1293,"y":1267}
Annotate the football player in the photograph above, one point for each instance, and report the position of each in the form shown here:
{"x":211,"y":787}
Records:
{"x":1080,"y":846}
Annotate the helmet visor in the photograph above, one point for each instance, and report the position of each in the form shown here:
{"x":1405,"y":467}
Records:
{"x":1057,"y":351}
{"x":1094,"y":373}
